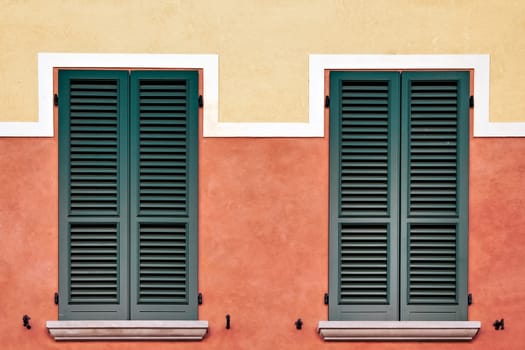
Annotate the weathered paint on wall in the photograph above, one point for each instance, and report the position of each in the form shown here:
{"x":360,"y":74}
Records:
{"x":263,"y":245}
{"x":263,"y":46}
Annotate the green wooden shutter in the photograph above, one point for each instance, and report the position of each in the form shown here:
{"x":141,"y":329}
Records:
{"x":434,"y":203}
{"x":93,"y":152}
{"x":364,"y":163}
{"x":164,"y":194}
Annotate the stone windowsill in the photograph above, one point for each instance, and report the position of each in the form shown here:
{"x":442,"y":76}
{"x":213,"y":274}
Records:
{"x":398,"y":330}
{"x":127,"y":330}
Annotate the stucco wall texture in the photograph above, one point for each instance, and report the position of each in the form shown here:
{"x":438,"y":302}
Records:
{"x":263,"y":220}
{"x":263,"y":46}
{"x":263,"y":245}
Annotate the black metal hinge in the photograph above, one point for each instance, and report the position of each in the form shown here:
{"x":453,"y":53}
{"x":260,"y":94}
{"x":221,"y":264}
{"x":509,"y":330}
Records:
{"x":327,"y":102}
{"x":199,"y":298}
{"x":56,"y":298}
{"x":201,"y":101}
{"x":469,"y":299}
{"x":326,"y":298}
{"x":471,"y":101}
{"x":55,"y":100}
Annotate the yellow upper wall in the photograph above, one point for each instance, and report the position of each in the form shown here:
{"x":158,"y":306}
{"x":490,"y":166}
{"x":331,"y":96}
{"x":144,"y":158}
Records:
{"x":263,"y":45}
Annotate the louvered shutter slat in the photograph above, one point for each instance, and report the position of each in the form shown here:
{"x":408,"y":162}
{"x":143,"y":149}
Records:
{"x":94,"y":194}
{"x":435,"y":184}
{"x":163,"y":262}
{"x":363,"y":273}
{"x":164,"y":207}
{"x":89,"y":142}
{"x":355,"y":104}
{"x":364,"y":250}
{"x":93,"y":221}
{"x":432,"y":248}
{"x":364,"y":199}
{"x":427,"y":158}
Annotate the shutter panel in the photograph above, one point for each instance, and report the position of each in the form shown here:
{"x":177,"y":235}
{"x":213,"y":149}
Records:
{"x":434,"y":205}
{"x":93,"y":116}
{"x":163,"y":212}
{"x":364,"y":127}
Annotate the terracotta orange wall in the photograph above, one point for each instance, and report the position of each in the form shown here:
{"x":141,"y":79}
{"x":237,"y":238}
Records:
{"x":263,"y":244}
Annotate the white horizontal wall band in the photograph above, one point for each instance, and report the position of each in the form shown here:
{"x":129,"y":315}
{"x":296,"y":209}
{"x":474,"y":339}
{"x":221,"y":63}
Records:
{"x":479,"y":63}
{"x":209,"y":63}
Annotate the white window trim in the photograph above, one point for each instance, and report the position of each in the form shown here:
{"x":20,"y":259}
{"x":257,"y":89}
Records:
{"x":127,"y":330}
{"x":483,"y":127}
{"x":405,"y":330}
{"x":117,"y":330}
{"x":209,"y":63}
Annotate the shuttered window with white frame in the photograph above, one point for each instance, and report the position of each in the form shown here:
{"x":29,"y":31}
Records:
{"x":398,"y":195}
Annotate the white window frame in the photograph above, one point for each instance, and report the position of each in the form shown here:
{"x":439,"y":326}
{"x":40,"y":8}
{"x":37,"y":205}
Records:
{"x":483,"y":127}
{"x":399,"y":330}
{"x":209,"y":63}
{"x":44,"y":127}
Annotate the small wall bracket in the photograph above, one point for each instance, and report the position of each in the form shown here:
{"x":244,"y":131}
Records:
{"x":25,"y":320}
{"x":499,"y":324}
{"x":228,"y":321}
{"x":299,"y":324}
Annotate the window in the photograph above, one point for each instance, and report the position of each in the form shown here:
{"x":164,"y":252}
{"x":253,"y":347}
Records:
{"x":128,"y":156}
{"x":398,"y":195}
